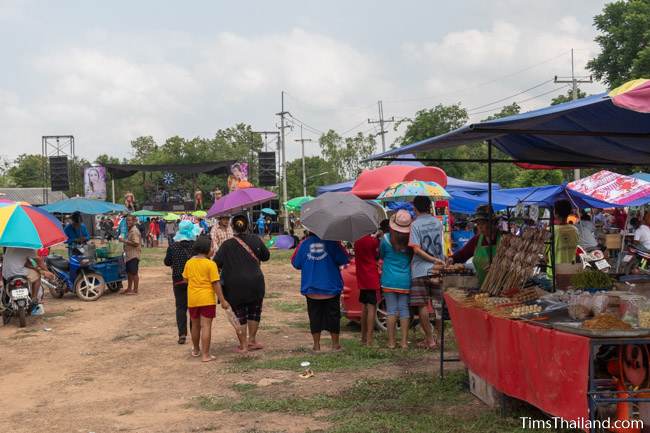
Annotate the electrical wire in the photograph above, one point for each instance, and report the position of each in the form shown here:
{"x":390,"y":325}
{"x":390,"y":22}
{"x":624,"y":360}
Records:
{"x":511,"y":96}
{"x":521,"y":101}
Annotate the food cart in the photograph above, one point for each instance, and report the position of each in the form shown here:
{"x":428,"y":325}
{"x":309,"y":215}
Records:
{"x":593,"y":368}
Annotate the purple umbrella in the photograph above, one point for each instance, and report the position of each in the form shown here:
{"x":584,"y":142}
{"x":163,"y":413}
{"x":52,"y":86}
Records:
{"x":284,"y":242}
{"x":239,"y":200}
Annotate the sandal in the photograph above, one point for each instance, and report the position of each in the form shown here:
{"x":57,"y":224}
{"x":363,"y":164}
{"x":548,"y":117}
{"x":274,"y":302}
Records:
{"x":255,"y":346}
{"x":196,"y":354}
{"x":210,"y":359}
{"x":182,"y":339}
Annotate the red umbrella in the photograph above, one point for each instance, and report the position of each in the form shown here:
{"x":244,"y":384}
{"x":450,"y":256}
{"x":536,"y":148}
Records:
{"x":371,"y":183}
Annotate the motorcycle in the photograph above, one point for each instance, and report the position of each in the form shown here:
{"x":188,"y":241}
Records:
{"x":76,"y":275}
{"x":17,"y":300}
{"x":636,"y":260}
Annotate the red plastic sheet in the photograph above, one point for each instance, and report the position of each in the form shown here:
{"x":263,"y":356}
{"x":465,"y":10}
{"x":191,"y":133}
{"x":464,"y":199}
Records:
{"x":546,"y":368}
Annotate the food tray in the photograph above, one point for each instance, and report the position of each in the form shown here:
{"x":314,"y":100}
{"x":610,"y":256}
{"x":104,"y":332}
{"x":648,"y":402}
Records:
{"x":575,"y":328}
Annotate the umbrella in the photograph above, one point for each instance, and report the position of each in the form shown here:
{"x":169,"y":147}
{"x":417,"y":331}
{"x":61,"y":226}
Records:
{"x":268,"y":211}
{"x":239,"y":200}
{"x":83,"y":205}
{"x":407,"y":191}
{"x":199,"y":213}
{"x":296,"y":203}
{"x":284,"y":242}
{"x":24,"y":226}
{"x":148,"y":213}
{"x":340,"y":216}
{"x":171,"y":217}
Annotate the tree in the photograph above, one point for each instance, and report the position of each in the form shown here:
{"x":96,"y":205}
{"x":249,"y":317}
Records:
{"x":319,"y":172}
{"x":561,"y":99}
{"x":5,"y":179}
{"x":27,"y":171}
{"x":347,"y":155}
{"x":624,"y":42}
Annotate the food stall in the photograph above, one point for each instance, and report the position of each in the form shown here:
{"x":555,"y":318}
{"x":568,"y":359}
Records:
{"x":575,"y":355}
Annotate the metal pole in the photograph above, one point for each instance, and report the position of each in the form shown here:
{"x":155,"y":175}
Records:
{"x":284,"y":166}
{"x":491,"y":224}
{"x":304,"y":170}
{"x":113,"y":188}
{"x":574,"y":96}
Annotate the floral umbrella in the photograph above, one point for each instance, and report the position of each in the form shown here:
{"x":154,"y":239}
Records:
{"x":407,"y":191}
{"x":25,"y":226}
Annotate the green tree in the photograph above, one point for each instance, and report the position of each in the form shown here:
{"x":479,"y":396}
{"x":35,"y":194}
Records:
{"x":319,"y":172}
{"x":624,"y":40}
{"x":27,"y":171}
{"x":347,"y":155}
{"x":561,"y":99}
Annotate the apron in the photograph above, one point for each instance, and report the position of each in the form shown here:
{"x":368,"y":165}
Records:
{"x":481,"y":258}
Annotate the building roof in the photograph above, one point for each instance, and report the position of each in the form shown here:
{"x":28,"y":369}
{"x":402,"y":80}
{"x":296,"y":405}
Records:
{"x":33,"y":196}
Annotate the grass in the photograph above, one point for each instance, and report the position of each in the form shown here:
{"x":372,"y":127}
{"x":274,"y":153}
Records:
{"x":283,"y":256}
{"x":353,"y":357}
{"x":289,"y":307}
{"x":413,"y":402}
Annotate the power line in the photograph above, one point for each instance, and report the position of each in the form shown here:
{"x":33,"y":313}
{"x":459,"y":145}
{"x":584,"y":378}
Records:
{"x":381,"y":123}
{"x":511,"y":96}
{"x":484,"y":83}
{"x":521,"y":101}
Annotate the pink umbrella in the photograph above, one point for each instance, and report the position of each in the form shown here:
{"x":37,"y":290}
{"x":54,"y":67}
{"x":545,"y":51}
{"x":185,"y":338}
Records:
{"x":239,"y":200}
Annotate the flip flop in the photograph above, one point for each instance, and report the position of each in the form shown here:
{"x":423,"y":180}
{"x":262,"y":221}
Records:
{"x":212,"y":358}
{"x":239,"y":350}
{"x":196,"y":354}
{"x":256,"y":346}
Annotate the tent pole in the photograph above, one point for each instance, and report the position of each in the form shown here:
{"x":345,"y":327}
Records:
{"x":113,"y":188}
{"x":552,"y":248}
{"x":491,"y":221}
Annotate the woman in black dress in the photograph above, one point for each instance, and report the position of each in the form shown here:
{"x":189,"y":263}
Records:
{"x":242,"y":279}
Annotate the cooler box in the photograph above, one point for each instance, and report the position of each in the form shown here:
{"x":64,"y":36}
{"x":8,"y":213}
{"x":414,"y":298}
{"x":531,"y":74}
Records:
{"x":113,"y":269}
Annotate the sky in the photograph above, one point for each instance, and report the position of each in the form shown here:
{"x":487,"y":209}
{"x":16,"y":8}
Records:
{"x":108,"y":72}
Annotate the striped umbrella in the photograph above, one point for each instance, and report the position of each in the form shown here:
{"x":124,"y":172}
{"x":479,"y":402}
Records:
{"x":25,"y":226}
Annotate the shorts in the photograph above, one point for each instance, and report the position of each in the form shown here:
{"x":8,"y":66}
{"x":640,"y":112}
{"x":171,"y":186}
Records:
{"x":324,"y":315}
{"x":132,"y":266}
{"x":397,"y":304}
{"x":208,"y":311}
{"x":33,"y":276}
{"x":368,"y":296}
{"x":424,"y":290}
{"x":251,"y":311}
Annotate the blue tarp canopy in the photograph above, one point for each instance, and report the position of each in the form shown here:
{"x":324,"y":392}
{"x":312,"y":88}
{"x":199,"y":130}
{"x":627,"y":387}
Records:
{"x":463,"y":202}
{"x":584,"y":132}
{"x":336,"y":187}
{"x":84,"y":205}
{"x":643,"y":176}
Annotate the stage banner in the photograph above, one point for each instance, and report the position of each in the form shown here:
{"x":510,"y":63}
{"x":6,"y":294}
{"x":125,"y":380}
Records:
{"x":95,"y":182}
{"x":238,"y":177}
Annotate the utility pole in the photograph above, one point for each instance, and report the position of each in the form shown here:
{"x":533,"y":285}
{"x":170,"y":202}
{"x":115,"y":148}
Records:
{"x":283,"y":162}
{"x":304,"y":170}
{"x":574,"y":94}
{"x":381,"y":122}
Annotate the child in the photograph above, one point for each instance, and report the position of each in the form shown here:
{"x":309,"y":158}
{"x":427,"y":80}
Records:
{"x":321,"y":284}
{"x":202,"y":278}
{"x":366,"y":251}
{"x":396,"y":275}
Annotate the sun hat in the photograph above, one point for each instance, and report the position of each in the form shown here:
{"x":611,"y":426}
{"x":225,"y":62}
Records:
{"x":401,"y":221}
{"x":482,"y":213}
{"x":187,"y":231}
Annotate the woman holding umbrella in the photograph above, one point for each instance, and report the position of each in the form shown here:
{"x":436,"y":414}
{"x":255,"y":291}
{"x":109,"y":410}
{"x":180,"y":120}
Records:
{"x":242,"y":279}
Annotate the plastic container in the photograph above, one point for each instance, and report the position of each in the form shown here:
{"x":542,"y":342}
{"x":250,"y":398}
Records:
{"x":644,"y":314}
{"x":629,"y":308}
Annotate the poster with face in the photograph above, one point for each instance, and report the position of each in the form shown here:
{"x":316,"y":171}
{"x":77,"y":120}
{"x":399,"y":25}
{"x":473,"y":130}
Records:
{"x":95,"y":182}
{"x":238,"y":176}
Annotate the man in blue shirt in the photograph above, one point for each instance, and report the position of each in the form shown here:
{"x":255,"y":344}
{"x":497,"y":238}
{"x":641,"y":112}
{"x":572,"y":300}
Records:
{"x":321,"y":284}
{"x":76,"y":232}
{"x":426,"y":240}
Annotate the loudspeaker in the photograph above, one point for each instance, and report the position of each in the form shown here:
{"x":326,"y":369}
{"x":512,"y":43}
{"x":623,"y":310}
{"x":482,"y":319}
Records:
{"x":267,"y":176}
{"x":59,"y":173}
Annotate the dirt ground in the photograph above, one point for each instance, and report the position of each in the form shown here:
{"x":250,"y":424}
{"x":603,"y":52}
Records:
{"x":114,"y":365}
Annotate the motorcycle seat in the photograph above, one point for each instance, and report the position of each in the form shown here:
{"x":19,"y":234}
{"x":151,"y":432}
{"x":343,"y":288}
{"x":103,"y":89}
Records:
{"x":58,"y":262}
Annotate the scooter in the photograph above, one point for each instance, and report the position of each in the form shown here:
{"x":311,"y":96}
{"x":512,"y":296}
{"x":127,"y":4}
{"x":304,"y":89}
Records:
{"x":17,"y":299}
{"x":76,"y":275}
{"x":636,"y":259}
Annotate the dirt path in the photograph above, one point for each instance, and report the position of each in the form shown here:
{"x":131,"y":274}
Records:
{"x":114,"y":365}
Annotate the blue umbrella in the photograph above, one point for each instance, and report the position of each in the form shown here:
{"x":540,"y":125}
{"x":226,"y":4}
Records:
{"x":83,"y":205}
{"x":268,"y":211}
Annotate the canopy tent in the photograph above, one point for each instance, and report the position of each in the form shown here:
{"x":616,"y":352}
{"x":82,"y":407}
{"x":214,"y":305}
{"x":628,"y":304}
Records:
{"x":336,"y":187}
{"x":603,"y":129}
{"x":120,"y":171}
{"x":614,"y":188}
{"x":641,"y":175}
{"x":453,"y":184}
{"x":466,"y":203}
{"x":83,"y":205}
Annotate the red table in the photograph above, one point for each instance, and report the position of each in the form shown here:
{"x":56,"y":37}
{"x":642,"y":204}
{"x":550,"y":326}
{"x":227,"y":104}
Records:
{"x":544,"y":367}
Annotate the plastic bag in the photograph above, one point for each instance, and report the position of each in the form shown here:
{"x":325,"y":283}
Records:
{"x":580,"y":306}
{"x":600,"y":302}
{"x":234,"y":321}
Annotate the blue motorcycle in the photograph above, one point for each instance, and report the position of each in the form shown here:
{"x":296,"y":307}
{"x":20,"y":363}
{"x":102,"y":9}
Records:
{"x":80,"y":275}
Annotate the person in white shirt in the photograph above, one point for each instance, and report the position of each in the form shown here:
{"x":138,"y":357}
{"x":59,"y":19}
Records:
{"x":642,"y":234}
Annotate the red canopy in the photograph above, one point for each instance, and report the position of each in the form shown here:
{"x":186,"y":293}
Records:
{"x":372,"y":182}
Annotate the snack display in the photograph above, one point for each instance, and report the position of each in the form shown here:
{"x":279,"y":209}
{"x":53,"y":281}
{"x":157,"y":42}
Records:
{"x":606,"y":322}
{"x":524,"y":310}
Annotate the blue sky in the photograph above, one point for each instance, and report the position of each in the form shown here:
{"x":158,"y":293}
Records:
{"x":108,"y":72}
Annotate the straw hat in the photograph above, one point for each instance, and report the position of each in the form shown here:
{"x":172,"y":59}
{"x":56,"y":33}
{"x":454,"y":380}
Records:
{"x":401,"y":221}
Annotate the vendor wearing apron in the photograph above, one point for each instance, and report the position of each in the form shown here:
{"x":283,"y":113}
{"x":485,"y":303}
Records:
{"x":479,"y":248}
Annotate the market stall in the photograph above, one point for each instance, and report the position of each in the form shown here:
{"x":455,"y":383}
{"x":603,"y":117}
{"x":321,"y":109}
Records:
{"x":519,"y":338}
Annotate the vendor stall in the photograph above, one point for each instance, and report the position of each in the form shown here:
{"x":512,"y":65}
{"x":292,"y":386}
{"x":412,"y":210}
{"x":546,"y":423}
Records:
{"x":573,"y":354}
